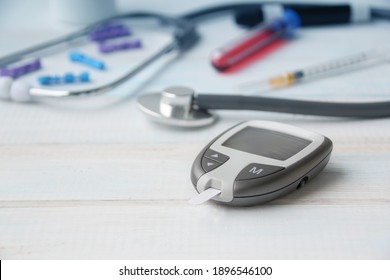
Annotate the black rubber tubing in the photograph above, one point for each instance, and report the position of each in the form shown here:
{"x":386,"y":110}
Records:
{"x":305,"y":107}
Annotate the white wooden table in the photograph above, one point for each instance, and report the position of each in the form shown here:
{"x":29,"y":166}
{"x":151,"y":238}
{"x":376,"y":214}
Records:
{"x":94,"y":179}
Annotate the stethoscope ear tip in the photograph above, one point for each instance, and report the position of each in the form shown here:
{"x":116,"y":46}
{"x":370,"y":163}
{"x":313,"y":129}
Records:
{"x":174,"y":106}
{"x":17,"y":91}
{"x":5,"y":87}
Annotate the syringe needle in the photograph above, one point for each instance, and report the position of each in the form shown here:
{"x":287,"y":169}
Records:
{"x":333,"y":67}
{"x":260,"y":86}
{"x":271,"y":83}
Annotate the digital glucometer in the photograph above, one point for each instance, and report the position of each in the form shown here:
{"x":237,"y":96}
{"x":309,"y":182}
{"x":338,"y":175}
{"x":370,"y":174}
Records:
{"x":257,"y":161}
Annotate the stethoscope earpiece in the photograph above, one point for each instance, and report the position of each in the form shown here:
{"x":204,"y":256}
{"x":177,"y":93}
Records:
{"x":5,"y":87}
{"x":175,"y":106}
{"x":17,"y":91}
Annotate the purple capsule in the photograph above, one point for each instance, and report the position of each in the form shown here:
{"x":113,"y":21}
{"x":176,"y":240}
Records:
{"x":20,"y":70}
{"x":16,"y":72}
{"x":4,"y":72}
{"x":108,"y":32}
{"x":105,"y":47}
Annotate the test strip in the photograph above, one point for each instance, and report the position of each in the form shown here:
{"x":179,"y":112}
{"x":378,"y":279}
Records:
{"x":204,"y":196}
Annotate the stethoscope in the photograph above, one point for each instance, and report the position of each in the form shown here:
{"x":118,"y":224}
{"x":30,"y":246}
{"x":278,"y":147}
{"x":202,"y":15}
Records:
{"x":184,"y":37}
{"x":182,"y":106}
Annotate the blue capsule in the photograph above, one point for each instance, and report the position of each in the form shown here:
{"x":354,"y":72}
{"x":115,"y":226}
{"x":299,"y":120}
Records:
{"x":86,"y":60}
{"x":84,"y":77}
{"x":44,"y":80}
{"x":67,"y":78}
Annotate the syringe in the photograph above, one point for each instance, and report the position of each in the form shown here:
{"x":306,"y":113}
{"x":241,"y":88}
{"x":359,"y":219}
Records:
{"x":330,"y":68}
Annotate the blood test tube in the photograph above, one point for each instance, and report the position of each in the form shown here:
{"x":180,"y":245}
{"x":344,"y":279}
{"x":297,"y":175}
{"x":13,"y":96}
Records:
{"x":259,"y":38}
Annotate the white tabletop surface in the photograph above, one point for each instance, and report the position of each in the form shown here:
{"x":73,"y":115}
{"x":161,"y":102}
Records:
{"x":92,"y":178}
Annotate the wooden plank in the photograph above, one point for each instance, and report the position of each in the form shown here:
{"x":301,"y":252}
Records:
{"x":176,"y":230}
{"x":159,"y":172}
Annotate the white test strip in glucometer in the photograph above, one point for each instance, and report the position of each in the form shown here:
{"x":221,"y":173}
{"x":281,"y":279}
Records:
{"x":204,"y":196}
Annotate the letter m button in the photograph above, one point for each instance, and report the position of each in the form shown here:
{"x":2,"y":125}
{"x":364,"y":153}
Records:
{"x":257,"y":170}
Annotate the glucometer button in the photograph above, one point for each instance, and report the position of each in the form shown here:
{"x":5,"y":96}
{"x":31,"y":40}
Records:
{"x":211,"y":154}
{"x":209,"y":164}
{"x":255,"y":170}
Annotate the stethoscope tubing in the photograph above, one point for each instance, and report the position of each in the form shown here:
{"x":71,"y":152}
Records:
{"x":304,"y":107}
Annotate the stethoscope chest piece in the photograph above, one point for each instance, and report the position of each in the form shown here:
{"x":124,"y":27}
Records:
{"x":174,"y":106}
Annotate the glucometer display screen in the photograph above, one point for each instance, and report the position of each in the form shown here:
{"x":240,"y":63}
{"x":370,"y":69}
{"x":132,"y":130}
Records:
{"x":267,"y":143}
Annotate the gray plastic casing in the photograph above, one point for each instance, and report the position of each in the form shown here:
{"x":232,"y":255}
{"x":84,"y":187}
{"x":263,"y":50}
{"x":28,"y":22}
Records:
{"x":298,"y":169}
